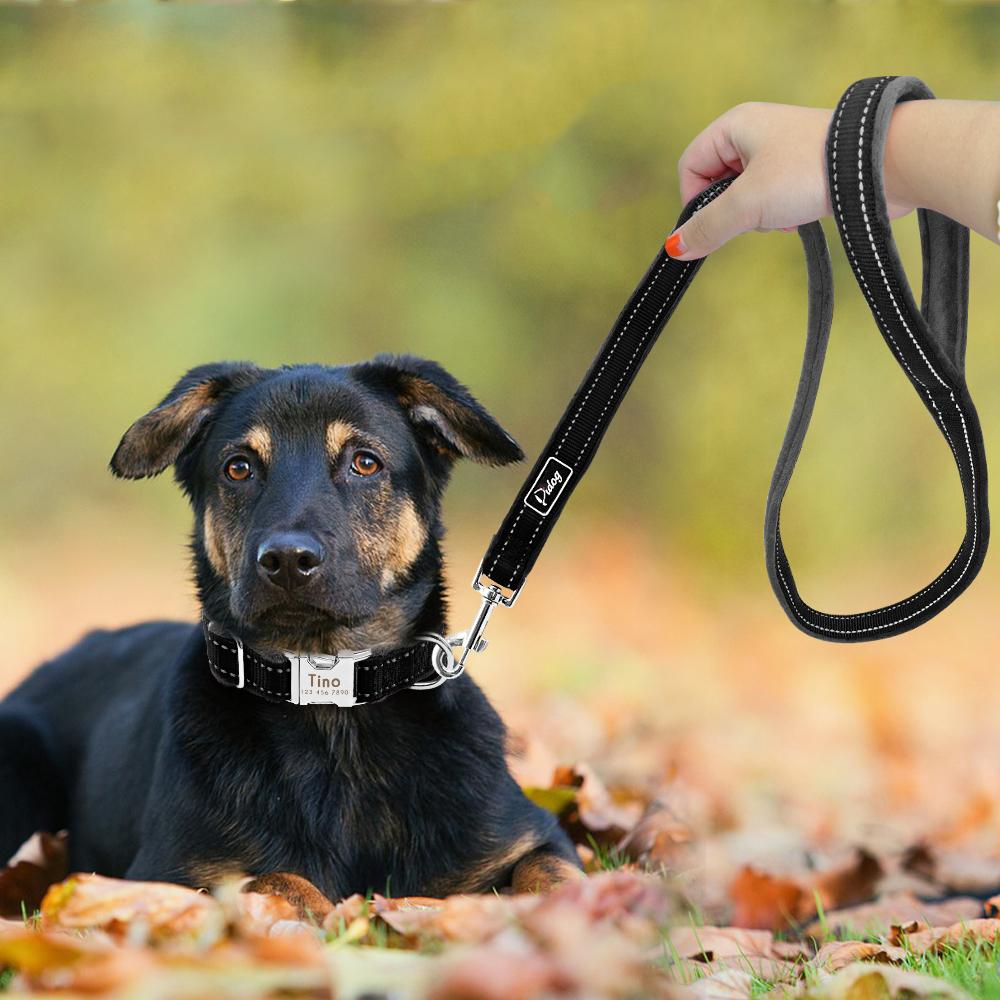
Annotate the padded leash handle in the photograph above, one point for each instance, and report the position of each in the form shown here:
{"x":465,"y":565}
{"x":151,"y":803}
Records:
{"x":928,"y":343}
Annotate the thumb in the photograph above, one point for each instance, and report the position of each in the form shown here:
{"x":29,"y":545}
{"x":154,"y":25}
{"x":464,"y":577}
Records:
{"x":717,"y":223}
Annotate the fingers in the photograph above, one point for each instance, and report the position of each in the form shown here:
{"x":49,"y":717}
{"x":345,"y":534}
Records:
{"x":717,"y":223}
{"x":710,"y":156}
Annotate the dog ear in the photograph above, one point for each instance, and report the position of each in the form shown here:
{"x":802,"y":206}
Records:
{"x":159,"y":438}
{"x":442,"y":410}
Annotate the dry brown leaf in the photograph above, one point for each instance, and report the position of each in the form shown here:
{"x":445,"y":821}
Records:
{"x":39,"y":862}
{"x":938,"y":938}
{"x":469,"y":919}
{"x":765,"y":901}
{"x":133,"y":909}
{"x":836,"y":955}
{"x":851,"y":882}
{"x":50,"y":960}
{"x":594,"y":813}
{"x":727,"y":984}
{"x":658,"y":837}
{"x":864,"y":981}
{"x":493,"y":974}
{"x":773,"y":969}
{"x":708,"y":943}
{"x":617,"y":896}
{"x":955,"y":871}
{"x":878,"y":917}
{"x":771,"y":902}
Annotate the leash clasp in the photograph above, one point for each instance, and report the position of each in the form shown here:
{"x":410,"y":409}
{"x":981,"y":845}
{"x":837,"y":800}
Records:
{"x":493,"y":596}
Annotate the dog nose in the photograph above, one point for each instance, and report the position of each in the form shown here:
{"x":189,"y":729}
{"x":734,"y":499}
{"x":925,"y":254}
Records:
{"x":289,"y":559}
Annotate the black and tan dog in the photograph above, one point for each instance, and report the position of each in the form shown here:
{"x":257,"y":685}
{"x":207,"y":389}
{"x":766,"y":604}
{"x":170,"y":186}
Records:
{"x":316,"y":494}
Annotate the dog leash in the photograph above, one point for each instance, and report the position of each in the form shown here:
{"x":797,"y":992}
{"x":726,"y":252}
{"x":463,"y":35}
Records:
{"x":928,"y":343}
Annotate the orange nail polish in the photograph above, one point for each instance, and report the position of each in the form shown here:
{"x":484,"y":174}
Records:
{"x":674,"y":245}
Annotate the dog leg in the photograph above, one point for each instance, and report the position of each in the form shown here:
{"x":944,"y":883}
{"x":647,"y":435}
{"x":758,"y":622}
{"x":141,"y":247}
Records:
{"x":32,"y":790}
{"x":310,"y":903}
{"x":542,"y":870}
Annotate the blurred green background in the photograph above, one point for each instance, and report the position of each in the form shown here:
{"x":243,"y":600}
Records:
{"x":482,"y":184}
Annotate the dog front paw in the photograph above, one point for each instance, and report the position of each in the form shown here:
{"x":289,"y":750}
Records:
{"x":309,"y":902}
{"x":542,"y":871}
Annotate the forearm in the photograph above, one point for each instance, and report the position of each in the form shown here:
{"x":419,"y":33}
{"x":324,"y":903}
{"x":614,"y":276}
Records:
{"x":945,"y":155}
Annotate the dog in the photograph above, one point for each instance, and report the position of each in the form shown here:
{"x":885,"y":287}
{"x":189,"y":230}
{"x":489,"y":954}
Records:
{"x":316,"y":494}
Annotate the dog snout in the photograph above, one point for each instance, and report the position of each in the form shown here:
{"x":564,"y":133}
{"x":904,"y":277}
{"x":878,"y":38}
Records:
{"x":289,"y":559}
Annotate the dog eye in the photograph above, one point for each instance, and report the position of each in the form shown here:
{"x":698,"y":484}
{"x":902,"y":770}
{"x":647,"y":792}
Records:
{"x":364,"y":463}
{"x":238,"y":469}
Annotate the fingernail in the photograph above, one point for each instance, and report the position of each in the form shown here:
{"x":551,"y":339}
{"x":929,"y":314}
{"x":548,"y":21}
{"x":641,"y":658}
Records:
{"x":674,"y":245}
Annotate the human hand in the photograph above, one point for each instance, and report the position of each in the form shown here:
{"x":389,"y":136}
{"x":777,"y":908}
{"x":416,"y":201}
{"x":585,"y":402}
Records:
{"x":777,"y":152}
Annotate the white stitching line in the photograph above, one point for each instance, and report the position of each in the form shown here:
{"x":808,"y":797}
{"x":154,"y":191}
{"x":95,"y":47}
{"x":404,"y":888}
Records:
{"x":611,"y":354}
{"x":594,"y":381}
{"x":385,"y":683}
{"x":611,"y":397}
{"x":902,"y":360}
{"x":958,"y":409}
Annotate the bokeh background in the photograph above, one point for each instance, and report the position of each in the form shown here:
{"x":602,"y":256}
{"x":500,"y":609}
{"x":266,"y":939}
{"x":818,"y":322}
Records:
{"x":483,"y":184}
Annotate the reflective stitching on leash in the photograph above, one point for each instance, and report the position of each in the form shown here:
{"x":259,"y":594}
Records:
{"x":940,"y":418}
{"x":705,"y":200}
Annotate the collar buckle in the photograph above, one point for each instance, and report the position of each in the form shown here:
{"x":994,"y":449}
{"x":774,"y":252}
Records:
{"x":325,"y":678}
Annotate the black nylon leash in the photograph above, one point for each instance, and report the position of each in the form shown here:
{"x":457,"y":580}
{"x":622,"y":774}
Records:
{"x":928,"y":343}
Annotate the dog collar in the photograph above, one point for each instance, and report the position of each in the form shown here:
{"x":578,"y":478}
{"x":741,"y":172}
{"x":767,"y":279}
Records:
{"x":345,"y":678}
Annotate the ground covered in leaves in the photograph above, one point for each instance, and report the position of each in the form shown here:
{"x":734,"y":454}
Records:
{"x":760,"y":814}
{"x":649,"y":920}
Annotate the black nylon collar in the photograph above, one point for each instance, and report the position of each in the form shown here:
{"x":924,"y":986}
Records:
{"x":345,"y":679}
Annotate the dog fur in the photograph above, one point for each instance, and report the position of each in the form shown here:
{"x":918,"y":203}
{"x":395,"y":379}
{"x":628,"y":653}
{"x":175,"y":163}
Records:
{"x":160,"y":773}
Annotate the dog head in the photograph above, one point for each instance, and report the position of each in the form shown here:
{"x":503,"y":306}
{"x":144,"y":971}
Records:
{"x":316,"y":493}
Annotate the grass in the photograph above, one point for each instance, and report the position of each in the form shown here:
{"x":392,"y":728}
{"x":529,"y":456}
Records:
{"x":607,"y":858}
{"x":973,"y":967}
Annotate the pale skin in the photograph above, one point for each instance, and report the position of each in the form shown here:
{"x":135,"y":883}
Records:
{"x":942,"y":155}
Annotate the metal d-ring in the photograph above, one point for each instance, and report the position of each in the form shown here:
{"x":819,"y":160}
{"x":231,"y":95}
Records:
{"x":442,"y":660}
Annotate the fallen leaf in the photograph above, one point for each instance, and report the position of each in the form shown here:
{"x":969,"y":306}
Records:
{"x":133,"y":909}
{"x":727,"y":984}
{"x":954,"y":871}
{"x":612,"y":896}
{"x":39,"y":862}
{"x":594,"y":813}
{"x":657,"y":837}
{"x":709,"y":943}
{"x":774,"y":970}
{"x":836,"y":955}
{"x":771,"y":902}
{"x":765,"y":901}
{"x":939,"y":938}
{"x":864,"y":981}
{"x":556,"y":800}
{"x":851,"y":882}
{"x":493,"y":974}
{"x":878,"y":917}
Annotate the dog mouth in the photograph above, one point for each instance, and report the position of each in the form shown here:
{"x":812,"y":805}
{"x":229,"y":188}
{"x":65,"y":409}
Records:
{"x":299,"y":625}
